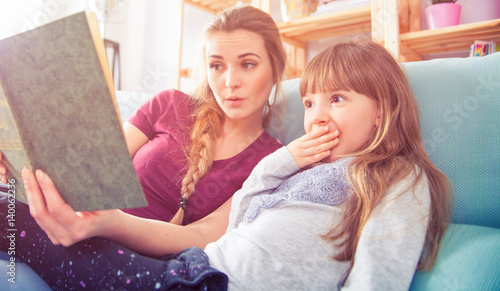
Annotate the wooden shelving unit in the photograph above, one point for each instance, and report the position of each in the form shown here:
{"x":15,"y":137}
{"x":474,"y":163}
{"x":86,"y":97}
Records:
{"x":298,"y":32}
{"x":394,"y":23}
{"x":214,"y":6}
{"x":453,"y":38}
{"x":310,"y":28}
{"x":401,"y":34}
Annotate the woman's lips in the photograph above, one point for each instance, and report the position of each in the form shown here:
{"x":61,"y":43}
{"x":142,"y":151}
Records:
{"x":235,"y":101}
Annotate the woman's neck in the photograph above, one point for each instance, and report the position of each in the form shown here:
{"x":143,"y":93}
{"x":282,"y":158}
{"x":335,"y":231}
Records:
{"x":237,"y":136}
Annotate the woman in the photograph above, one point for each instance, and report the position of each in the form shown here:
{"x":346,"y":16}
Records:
{"x":227,"y":138}
{"x":202,"y":147}
{"x":193,"y":152}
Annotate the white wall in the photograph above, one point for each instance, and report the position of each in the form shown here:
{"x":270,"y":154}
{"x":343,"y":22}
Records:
{"x":148,"y":32}
{"x":145,"y":29}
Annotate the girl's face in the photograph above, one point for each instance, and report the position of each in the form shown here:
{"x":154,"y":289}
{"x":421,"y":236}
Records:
{"x":239,"y":73}
{"x":354,"y":115}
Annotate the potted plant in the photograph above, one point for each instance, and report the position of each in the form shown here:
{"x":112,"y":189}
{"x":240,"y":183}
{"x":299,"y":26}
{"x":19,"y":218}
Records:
{"x":443,"y":13}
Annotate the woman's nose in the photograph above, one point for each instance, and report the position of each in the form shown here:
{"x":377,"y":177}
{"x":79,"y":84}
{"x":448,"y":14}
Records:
{"x":232,"y":79}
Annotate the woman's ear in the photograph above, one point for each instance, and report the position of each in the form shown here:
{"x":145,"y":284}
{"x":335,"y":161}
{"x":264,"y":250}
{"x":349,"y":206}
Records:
{"x":377,"y":120}
{"x":379,"y":116}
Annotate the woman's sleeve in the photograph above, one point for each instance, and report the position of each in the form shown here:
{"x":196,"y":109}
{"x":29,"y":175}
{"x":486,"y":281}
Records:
{"x":145,"y":118}
{"x":392,"y":240}
{"x":269,"y":173}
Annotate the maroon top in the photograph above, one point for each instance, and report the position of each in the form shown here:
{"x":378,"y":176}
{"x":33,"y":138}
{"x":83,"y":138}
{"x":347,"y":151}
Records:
{"x":166,"y":119}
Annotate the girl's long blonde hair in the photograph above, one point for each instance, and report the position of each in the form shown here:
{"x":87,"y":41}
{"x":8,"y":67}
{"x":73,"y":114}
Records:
{"x":394,"y":150}
{"x":209,"y":116}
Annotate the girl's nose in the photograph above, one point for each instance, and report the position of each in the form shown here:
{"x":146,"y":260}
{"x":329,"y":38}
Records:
{"x":232,"y":79}
{"x":320,"y":116}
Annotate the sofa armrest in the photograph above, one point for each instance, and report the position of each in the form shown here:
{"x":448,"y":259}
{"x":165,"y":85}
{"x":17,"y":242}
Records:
{"x":468,"y":259}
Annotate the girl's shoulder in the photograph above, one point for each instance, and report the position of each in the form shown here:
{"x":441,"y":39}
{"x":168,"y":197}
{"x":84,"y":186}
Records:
{"x":414,"y":185}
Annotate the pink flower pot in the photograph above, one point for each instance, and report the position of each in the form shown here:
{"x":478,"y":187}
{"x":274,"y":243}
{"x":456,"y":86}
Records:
{"x":442,"y":15}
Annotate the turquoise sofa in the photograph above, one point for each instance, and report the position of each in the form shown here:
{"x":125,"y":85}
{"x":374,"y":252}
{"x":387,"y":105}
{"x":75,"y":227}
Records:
{"x":459,"y":101}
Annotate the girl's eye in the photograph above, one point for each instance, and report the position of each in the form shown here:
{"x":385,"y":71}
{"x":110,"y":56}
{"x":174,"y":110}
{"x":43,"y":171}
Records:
{"x":248,"y":65}
{"x":308,"y":104}
{"x":337,"y":98}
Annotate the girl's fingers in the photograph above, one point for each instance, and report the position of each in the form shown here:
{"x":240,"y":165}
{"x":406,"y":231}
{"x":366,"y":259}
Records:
{"x":320,"y":143}
{"x":315,"y":133}
{"x":314,"y":146}
{"x":323,"y":149}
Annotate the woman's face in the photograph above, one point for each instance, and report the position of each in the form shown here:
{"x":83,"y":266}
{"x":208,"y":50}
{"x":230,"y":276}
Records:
{"x":354,"y":115}
{"x":239,"y":73}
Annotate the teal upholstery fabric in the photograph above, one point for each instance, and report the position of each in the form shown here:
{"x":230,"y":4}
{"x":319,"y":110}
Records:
{"x":21,"y":276}
{"x":468,"y":259}
{"x":460,"y":122}
{"x":288,"y":124}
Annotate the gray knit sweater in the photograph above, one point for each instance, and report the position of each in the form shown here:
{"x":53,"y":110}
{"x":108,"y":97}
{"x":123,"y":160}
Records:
{"x":273,"y":241}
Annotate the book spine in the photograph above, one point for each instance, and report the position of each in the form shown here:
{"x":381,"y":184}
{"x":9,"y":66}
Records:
{"x":11,"y":145}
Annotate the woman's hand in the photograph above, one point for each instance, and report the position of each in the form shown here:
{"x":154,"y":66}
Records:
{"x":313,"y":146}
{"x":61,"y":223}
{"x":3,"y":170}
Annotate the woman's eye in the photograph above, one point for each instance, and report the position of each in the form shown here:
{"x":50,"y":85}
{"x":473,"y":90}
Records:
{"x":248,"y":65}
{"x":215,"y":66}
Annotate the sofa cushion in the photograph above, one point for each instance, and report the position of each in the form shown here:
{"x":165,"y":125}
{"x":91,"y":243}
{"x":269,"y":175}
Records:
{"x":468,"y":259}
{"x":460,"y":123}
{"x":288,"y":124}
{"x":129,"y":101}
{"x":19,"y":276}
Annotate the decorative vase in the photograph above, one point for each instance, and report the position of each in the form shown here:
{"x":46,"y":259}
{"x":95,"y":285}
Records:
{"x":442,"y":15}
{"x":294,"y":9}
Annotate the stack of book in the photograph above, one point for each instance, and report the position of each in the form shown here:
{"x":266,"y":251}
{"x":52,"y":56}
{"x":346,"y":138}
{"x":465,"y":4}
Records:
{"x":482,"y":48}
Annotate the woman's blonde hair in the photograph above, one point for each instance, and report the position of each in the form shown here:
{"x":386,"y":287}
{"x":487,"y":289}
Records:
{"x":209,"y":116}
{"x":395,"y":148}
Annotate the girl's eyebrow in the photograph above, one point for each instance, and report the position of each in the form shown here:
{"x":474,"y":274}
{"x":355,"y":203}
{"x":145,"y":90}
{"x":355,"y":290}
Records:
{"x":240,"y":56}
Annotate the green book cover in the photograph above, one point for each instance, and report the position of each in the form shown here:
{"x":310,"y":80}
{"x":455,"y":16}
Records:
{"x":58,"y":113}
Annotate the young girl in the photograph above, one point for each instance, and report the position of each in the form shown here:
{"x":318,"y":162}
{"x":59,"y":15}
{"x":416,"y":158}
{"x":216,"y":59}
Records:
{"x":354,"y":204}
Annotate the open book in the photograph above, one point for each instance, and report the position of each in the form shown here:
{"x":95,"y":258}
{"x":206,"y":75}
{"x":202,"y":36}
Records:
{"x":58,"y":113}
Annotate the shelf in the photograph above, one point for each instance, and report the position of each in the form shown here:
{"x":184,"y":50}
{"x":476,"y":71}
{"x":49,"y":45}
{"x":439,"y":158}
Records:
{"x":410,"y":46}
{"x":214,"y":6}
{"x":300,"y":31}
{"x":452,"y":38}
